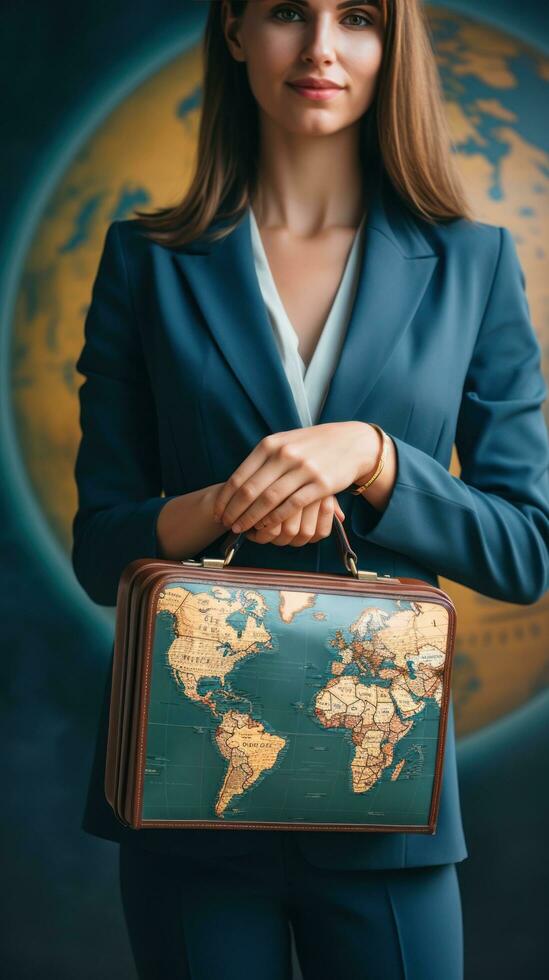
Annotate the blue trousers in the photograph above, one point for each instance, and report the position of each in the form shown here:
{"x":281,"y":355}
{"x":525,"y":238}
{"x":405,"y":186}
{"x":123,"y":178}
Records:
{"x":230,"y":919}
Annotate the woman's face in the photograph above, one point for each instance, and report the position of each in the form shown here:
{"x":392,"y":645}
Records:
{"x":283,"y":43}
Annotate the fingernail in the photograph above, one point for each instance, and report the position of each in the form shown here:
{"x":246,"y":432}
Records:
{"x":236,"y":528}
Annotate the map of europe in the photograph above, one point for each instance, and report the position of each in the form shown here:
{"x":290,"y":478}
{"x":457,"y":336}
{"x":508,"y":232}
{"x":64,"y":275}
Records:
{"x":264,"y":707}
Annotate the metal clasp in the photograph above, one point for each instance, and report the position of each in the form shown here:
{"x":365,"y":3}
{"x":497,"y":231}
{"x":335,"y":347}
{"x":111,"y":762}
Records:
{"x":210,"y":562}
{"x":363,"y":575}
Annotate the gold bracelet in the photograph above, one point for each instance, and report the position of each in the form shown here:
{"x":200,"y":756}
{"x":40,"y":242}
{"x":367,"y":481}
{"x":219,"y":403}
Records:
{"x":380,"y":462}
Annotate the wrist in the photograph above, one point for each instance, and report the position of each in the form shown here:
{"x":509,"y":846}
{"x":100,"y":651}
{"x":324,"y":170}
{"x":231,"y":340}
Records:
{"x":384,"y":460}
{"x":379,"y":493}
{"x":209,"y":498}
{"x":370,"y":446}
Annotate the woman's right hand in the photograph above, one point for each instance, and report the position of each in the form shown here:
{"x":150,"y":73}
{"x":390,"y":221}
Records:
{"x":312,"y":523}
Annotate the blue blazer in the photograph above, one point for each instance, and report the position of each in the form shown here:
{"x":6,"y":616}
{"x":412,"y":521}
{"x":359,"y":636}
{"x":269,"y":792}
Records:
{"x":183,"y":378}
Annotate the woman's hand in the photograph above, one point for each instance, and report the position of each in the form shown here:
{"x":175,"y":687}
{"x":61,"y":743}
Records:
{"x":288,"y":471}
{"x":311,"y":524}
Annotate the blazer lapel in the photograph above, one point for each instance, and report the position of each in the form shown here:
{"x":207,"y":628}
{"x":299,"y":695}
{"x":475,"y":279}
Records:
{"x":222,"y":277}
{"x":396,"y":265}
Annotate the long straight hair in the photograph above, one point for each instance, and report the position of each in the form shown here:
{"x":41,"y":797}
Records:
{"x":404,"y":133}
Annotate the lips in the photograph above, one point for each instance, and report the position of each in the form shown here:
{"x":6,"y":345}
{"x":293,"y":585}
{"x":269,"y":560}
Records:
{"x":316,"y":83}
{"x":315,"y":90}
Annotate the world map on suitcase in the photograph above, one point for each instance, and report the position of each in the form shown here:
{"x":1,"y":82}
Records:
{"x":292,"y":706}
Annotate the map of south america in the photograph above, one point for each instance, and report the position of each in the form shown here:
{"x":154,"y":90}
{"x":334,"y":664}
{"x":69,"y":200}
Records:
{"x":249,"y":751}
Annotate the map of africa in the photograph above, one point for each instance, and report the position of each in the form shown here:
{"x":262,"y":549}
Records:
{"x":261,"y":709}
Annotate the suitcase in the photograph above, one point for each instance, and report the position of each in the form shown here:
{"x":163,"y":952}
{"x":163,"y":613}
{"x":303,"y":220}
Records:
{"x":257,"y":698}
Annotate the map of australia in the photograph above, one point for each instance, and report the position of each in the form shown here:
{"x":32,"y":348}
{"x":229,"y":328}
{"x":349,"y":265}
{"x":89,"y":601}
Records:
{"x":264,"y":703}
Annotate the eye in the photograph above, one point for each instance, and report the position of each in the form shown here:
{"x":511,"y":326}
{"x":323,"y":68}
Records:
{"x":284,"y":10}
{"x":367,"y":20}
{"x":365,"y":17}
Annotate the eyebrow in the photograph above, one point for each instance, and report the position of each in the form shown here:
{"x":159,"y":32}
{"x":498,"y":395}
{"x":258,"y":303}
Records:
{"x":346,"y":3}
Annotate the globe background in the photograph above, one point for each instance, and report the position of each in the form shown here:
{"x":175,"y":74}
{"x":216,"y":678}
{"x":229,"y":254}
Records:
{"x":141,"y":155}
{"x":84,"y":99}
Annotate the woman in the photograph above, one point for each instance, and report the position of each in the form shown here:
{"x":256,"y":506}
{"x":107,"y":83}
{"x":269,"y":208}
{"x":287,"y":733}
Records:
{"x":321,"y":274}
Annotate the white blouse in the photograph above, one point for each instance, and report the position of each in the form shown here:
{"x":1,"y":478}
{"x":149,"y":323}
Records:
{"x":309,"y":385}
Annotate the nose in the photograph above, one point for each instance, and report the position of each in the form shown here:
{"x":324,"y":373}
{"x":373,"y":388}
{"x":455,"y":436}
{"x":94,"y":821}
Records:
{"x":319,"y":46}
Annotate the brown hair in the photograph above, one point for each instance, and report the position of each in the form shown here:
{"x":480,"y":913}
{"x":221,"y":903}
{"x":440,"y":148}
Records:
{"x":404,"y":132}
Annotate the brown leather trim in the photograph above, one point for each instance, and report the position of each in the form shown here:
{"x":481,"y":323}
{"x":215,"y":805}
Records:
{"x":123,"y":672}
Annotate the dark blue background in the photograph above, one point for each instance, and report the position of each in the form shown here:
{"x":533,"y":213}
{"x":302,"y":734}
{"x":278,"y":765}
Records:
{"x":61,"y":912}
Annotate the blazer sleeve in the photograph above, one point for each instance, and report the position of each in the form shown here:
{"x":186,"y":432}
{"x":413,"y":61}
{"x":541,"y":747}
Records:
{"x":489,"y":528}
{"x":117,"y":468}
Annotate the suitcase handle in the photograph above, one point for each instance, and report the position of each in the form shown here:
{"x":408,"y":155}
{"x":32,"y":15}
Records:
{"x":233,"y":540}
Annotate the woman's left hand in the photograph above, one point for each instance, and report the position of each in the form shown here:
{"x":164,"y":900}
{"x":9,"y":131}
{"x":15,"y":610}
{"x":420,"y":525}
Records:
{"x":288,"y":470}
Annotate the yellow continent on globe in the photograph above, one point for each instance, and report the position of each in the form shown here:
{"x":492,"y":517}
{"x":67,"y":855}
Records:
{"x":142,"y":155}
